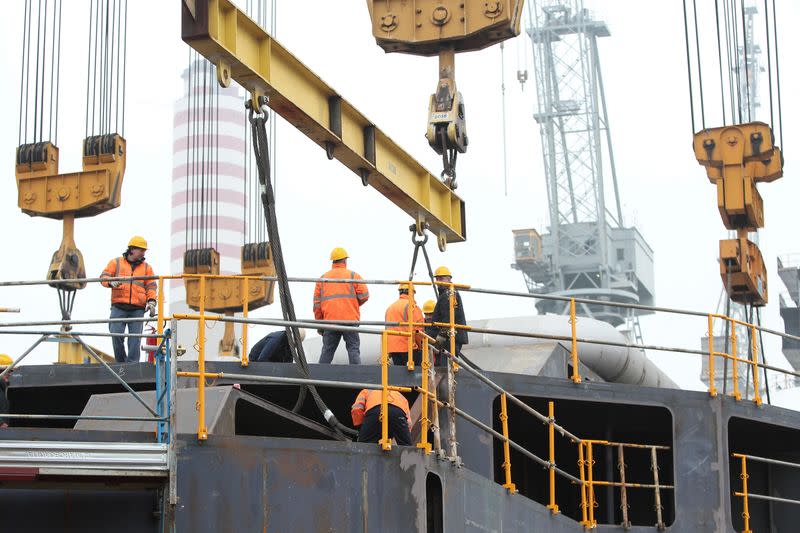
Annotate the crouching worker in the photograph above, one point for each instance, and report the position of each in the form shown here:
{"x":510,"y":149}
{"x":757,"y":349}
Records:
{"x":366,"y":413}
{"x":274,"y":348}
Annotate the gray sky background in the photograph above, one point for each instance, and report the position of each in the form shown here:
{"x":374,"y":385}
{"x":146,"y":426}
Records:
{"x":321,"y":204}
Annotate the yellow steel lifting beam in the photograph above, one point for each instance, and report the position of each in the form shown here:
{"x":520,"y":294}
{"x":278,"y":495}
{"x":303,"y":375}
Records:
{"x":245,"y":53}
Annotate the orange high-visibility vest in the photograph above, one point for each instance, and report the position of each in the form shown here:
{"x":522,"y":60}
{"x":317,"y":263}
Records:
{"x":339,"y":301}
{"x":136,"y":292}
{"x":399,"y":312}
{"x":367,"y":399}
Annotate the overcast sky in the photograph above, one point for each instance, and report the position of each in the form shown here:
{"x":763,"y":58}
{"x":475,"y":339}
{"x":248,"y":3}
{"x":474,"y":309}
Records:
{"x":665,"y":194}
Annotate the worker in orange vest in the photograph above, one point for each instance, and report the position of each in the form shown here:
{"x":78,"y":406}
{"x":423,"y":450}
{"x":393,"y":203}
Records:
{"x":130,"y":298}
{"x":400,"y":311}
{"x":366,"y":413}
{"x":340,"y":301}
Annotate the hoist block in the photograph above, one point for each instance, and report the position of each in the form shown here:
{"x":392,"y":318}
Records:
{"x":420,"y":27}
{"x":743,"y":272}
{"x":201,"y":261}
{"x":739,"y":203}
{"x":736,"y":158}
{"x":227,"y":295}
{"x":42,"y":191}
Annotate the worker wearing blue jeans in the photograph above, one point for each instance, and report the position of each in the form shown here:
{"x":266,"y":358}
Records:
{"x":135,"y":328}
{"x":330,"y":341}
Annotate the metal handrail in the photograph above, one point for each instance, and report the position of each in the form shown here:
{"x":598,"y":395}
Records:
{"x":746,"y":495}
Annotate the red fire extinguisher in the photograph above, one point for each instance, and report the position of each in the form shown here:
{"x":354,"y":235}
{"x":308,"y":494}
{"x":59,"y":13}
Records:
{"x":151,"y":341}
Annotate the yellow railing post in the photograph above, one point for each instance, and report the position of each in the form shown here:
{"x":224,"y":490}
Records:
{"x":160,"y":305}
{"x":424,"y":420}
{"x":712,"y":387}
{"x":754,"y":363}
{"x":410,"y":318}
{"x":202,"y":430}
{"x":551,"y":420}
{"x":582,"y":472}
{"x":245,"y":307}
{"x":590,"y":481}
{"x":576,"y":375}
{"x":506,"y":447}
{"x":452,"y":300}
{"x":385,"y":442}
{"x":735,"y":355}
{"x":745,"y":502}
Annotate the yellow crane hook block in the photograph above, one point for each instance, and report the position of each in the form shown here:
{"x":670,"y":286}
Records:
{"x":43,"y":192}
{"x":743,"y":272}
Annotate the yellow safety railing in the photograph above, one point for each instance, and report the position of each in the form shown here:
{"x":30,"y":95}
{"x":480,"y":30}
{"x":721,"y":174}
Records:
{"x":745,"y":493}
{"x":431,"y":404}
{"x":752,"y":362}
{"x":586,"y":465}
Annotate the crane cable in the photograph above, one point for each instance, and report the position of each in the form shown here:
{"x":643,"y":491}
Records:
{"x":260,"y":142}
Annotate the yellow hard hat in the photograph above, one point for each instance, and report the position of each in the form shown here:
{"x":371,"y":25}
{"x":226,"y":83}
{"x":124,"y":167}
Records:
{"x":428,"y":307}
{"x":442,"y":271}
{"x":137,"y":242}
{"x":337,"y":254}
{"x":5,"y":360}
{"x":404,"y":286}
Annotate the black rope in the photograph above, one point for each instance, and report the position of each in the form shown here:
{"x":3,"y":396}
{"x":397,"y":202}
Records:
{"x":763,"y":356}
{"x":52,"y":75}
{"x":188,"y":151}
{"x":36,"y":83}
{"x":749,"y":320}
{"x":124,"y":64}
{"x":719,"y":59}
{"x":261,"y":151}
{"x":58,"y":71}
{"x":699,"y":67}
{"x":23,"y":64}
{"x":738,"y":69}
{"x":689,"y":65}
{"x":777,"y":69}
{"x":769,"y":65}
{"x":746,"y":65}
{"x":94,"y":67}
{"x":89,"y":68}
{"x":731,"y":92}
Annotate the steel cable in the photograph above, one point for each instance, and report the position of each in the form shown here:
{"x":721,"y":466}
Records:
{"x":261,"y":150}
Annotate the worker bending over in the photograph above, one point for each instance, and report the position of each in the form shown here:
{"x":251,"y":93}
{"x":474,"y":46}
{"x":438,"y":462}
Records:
{"x":274,"y":348}
{"x":400,"y":311}
{"x":130,"y":298}
{"x":441,"y":314}
{"x":340,"y":302}
{"x":366,"y":413}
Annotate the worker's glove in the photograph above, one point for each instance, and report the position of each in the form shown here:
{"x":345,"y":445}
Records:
{"x":442,"y":342}
{"x":115,"y":284}
{"x":151,"y":307}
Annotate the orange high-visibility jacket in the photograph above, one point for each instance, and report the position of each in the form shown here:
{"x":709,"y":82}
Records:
{"x":398,"y":312}
{"x":339,"y":301}
{"x":136,"y":292}
{"x":367,"y":399}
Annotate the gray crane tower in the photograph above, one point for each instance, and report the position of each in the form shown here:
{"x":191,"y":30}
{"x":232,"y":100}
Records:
{"x":587,"y":252}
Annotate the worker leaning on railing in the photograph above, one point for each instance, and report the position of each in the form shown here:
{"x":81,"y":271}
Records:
{"x":131,"y":298}
{"x":402,"y":311}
